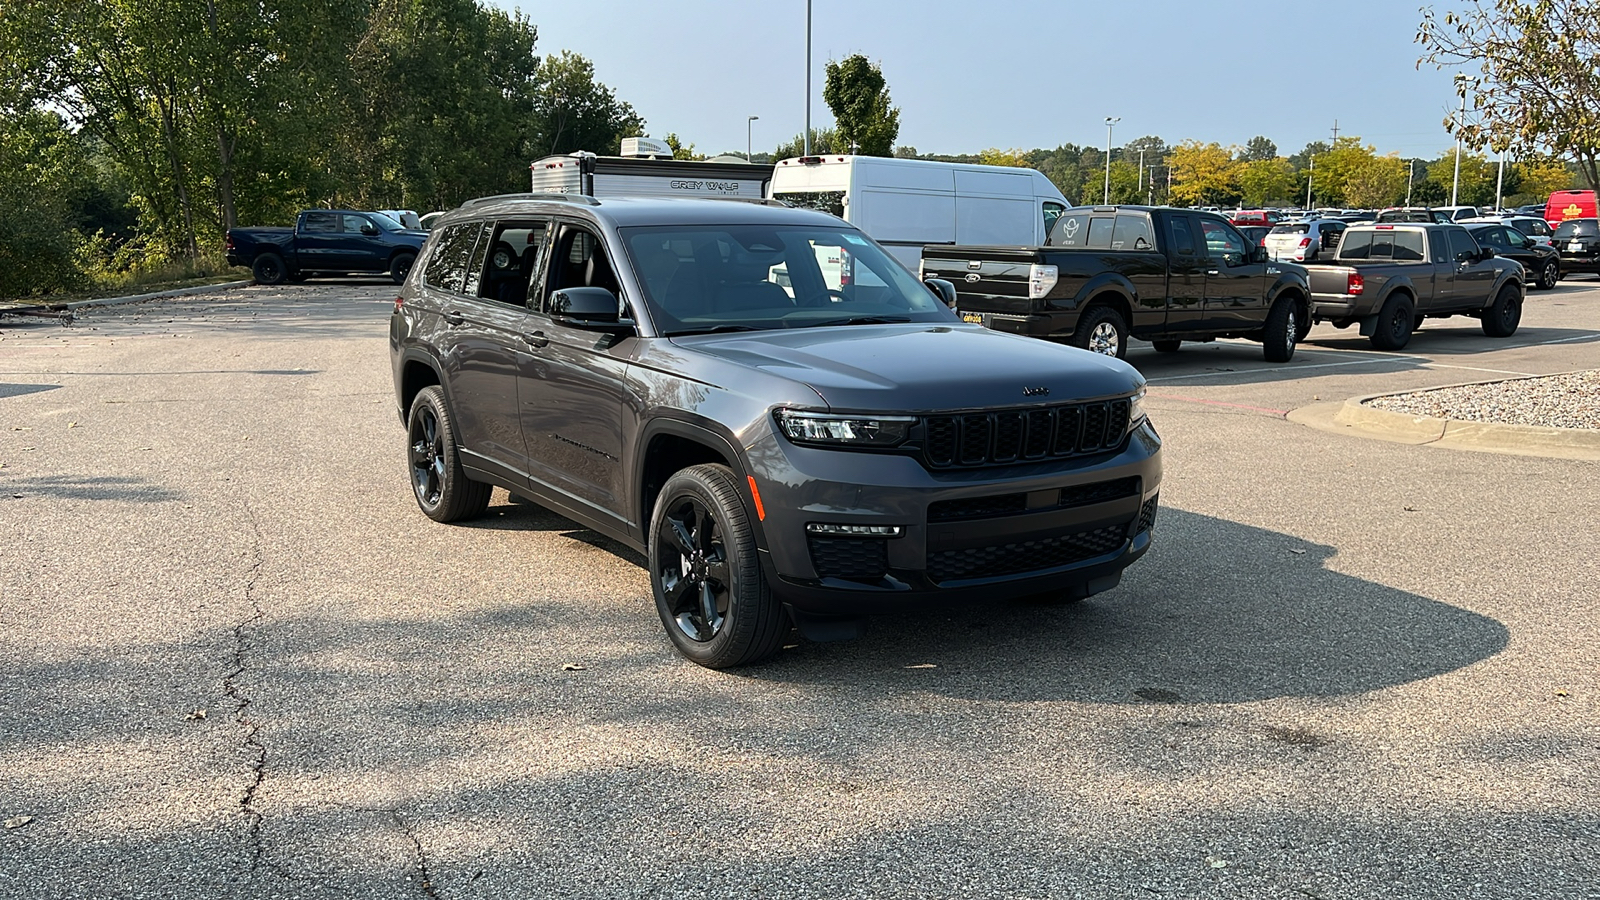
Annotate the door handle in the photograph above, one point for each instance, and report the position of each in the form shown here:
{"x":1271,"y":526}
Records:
{"x":454,"y":318}
{"x":535,"y":338}
{"x":1211,"y":271}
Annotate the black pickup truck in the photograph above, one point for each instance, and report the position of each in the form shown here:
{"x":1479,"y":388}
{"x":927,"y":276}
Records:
{"x":1108,"y":273}
{"x":326,"y":242}
{"x":1387,"y":278}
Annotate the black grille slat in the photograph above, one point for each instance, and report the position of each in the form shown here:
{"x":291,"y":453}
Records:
{"x":854,"y":558}
{"x":1037,"y":443}
{"x":1007,"y":436}
{"x":977,"y":507}
{"x":1024,"y":556}
{"x":1100,"y":491}
{"x":1026,"y":433}
{"x":975,"y":434}
{"x":1147,"y":516}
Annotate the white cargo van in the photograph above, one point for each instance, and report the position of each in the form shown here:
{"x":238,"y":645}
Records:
{"x":905,"y":204}
{"x":639,"y":172}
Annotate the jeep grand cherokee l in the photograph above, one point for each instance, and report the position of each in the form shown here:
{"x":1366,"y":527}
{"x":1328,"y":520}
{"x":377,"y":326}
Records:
{"x":681,"y":376}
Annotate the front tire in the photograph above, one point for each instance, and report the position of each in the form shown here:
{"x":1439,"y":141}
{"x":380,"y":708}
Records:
{"x":1102,"y":331}
{"x":1501,"y":318}
{"x":400,"y":267}
{"x":1277,"y":339}
{"x":441,"y":486}
{"x":269,"y":269}
{"x":1550,"y":275}
{"x":1394,"y":327}
{"x":1164,"y":345}
{"x":709,"y":589}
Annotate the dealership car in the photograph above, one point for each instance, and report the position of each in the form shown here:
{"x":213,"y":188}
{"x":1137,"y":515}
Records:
{"x":1304,"y":241}
{"x":1578,"y":241}
{"x":781,"y":451}
{"x":1541,"y":261}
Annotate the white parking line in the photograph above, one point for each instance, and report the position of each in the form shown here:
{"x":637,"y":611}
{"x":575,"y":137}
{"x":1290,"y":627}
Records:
{"x":1290,"y":370}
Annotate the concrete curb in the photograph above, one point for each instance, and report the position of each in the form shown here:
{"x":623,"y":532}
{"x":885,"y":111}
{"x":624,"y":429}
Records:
{"x":177,"y":292}
{"x":1354,"y":416}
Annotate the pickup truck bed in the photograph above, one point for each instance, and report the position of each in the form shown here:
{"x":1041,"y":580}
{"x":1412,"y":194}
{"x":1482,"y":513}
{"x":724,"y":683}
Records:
{"x":1109,"y":274}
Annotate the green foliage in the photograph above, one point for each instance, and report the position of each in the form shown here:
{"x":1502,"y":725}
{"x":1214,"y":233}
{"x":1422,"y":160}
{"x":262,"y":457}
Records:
{"x":575,"y":112}
{"x":1476,"y":187}
{"x":1266,"y":182}
{"x":859,"y":97}
{"x":823,"y":140}
{"x":38,"y":246}
{"x":1259,"y":149}
{"x":679,"y":151}
{"x":1531,"y":69}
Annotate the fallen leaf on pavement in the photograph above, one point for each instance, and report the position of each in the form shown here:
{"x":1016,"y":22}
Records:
{"x":18,"y":821}
{"x":573,"y":667}
{"x":195,"y":716}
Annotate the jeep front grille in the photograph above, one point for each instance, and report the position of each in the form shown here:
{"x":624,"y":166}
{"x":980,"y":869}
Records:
{"x":1020,"y":435}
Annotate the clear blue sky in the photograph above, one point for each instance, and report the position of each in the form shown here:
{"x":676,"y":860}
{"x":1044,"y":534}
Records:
{"x":1024,"y":74}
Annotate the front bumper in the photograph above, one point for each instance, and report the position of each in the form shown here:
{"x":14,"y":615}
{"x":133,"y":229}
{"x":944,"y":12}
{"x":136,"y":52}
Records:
{"x":962,"y":534}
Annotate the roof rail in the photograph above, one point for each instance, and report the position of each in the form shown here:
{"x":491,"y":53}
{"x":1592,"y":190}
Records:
{"x":568,"y":198}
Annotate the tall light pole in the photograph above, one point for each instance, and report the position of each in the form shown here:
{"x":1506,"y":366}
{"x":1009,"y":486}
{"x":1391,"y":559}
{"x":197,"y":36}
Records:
{"x":1411,"y":173}
{"x":1141,"y":168}
{"x":1455,"y":183}
{"x":1500,"y":181}
{"x":1111,"y":122}
{"x":807,"y":151}
{"x":1309,"y":179}
{"x":747,"y":129}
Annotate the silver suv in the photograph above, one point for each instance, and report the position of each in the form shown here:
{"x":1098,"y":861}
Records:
{"x":1304,"y":241}
{"x":788,"y":425}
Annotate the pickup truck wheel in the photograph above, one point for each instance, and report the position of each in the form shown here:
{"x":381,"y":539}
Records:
{"x":1500,"y":318}
{"x":1550,"y":275}
{"x":269,"y":269}
{"x":1101,"y":330}
{"x":709,"y":589}
{"x":1394,"y":327}
{"x":1165,"y":346}
{"x":443,"y":490}
{"x":1277,"y":339}
{"x":400,"y":267}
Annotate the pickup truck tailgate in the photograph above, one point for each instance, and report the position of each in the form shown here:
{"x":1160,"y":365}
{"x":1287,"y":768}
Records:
{"x":991,"y":280}
{"x":1328,"y":281}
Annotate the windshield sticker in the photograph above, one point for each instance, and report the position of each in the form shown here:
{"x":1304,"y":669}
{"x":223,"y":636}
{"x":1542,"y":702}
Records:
{"x":856,"y":239}
{"x":1071,"y":228}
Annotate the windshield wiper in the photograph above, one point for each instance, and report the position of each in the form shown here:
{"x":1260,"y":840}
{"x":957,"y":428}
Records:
{"x":860,"y":320}
{"x":715,"y":329}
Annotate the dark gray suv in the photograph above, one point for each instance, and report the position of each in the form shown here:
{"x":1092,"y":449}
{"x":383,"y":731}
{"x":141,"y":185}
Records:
{"x":791,"y":428}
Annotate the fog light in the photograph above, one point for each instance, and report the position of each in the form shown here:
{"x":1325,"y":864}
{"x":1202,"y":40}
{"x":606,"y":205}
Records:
{"x":853,"y":530}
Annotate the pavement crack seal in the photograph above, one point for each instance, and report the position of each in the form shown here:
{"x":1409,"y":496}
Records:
{"x":230,"y":689}
{"x":422,"y":856}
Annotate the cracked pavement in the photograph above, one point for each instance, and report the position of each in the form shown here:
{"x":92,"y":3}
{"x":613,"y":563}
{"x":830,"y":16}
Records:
{"x":239,"y":663}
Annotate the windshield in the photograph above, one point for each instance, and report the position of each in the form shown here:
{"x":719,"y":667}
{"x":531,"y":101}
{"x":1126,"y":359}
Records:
{"x":701,"y":279}
{"x":386,"y":223}
{"x":1578,"y":228}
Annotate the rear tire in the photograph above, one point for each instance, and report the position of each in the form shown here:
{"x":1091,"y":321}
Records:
{"x":1395,"y":320}
{"x":1102,"y":331}
{"x":1500,"y":318}
{"x":269,"y":269}
{"x":709,"y":589}
{"x":400,"y":267}
{"x":1166,"y":346}
{"x":441,"y":486}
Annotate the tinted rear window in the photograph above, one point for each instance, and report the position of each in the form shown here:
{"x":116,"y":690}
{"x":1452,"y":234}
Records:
{"x":1578,"y":228}
{"x":1401,"y":245}
{"x":1295,"y":228}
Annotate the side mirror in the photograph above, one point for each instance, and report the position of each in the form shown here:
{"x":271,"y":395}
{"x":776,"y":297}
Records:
{"x":1260,"y":255}
{"x":1485,"y":253}
{"x":369,"y":229}
{"x":944,"y":290}
{"x":589,"y":308}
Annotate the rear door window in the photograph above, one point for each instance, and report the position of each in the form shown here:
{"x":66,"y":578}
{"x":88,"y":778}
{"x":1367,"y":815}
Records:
{"x":1356,"y":245}
{"x":452,"y":255}
{"x":1182,"y":236}
{"x":1100,"y":229}
{"x":1132,"y":232}
{"x":1407,"y":245}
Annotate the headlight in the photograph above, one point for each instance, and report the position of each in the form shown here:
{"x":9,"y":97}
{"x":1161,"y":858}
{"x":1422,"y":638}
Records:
{"x":1136,"y":413}
{"x":844,"y":429}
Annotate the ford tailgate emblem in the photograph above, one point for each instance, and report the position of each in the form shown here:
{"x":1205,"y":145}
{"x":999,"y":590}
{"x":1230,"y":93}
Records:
{"x":972,"y":276}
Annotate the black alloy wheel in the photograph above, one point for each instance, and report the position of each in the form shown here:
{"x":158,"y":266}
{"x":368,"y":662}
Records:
{"x":269,"y":269}
{"x":1501,"y":318}
{"x":442,"y":488}
{"x":709,"y":589}
{"x":1395,"y":323}
{"x":1277,"y":339}
{"x":1549,"y":275}
{"x":401,"y":267}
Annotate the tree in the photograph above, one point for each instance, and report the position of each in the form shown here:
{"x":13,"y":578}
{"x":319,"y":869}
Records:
{"x":1202,"y":173}
{"x":1539,"y":177}
{"x":1264,"y":182}
{"x":857,"y":94}
{"x":1259,"y":149}
{"x":1476,"y":187}
{"x":679,"y":151}
{"x":575,"y":112}
{"x":823,"y":140}
{"x":1375,"y":181}
{"x":997,"y":157}
{"x":1537,"y":78}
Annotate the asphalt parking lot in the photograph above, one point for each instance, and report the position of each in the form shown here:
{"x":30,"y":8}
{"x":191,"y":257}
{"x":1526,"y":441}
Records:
{"x":238,"y":662}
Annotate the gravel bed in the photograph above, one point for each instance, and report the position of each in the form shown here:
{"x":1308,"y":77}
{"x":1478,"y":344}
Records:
{"x":1552,"y":401}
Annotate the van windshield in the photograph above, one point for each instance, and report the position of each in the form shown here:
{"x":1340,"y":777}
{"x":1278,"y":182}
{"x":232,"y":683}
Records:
{"x":709,"y":278}
{"x":831,"y":202}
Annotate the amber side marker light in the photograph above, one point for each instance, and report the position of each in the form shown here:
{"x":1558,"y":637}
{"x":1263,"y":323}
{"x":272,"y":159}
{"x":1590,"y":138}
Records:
{"x":761,"y":511}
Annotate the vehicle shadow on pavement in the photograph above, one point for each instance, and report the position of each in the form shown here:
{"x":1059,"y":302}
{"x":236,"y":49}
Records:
{"x":1450,"y":337}
{"x":126,"y":488}
{"x":1217,"y":612}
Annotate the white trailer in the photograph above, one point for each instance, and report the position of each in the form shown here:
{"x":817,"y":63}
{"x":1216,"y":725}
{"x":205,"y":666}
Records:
{"x":905,"y":204}
{"x":627,"y":176}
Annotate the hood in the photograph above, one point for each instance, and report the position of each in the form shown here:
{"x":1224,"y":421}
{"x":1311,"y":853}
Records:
{"x":922,"y":368}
